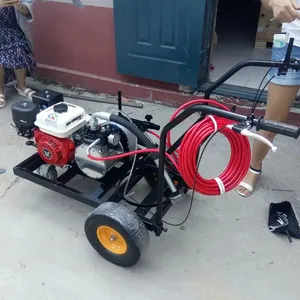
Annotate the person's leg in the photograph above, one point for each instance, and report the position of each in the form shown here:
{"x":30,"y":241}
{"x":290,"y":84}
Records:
{"x":21,"y":77}
{"x":2,"y":96}
{"x":21,"y":84}
{"x":280,"y":99}
{"x":1,"y":80}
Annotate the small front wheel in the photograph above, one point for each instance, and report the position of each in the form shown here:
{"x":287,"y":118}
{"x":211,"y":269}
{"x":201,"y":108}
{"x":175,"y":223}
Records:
{"x":117,"y":234}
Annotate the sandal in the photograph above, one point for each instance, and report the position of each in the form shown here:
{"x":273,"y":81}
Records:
{"x":26,"y":93}
{"x":2,"y":101}
{"x":247,"y":186}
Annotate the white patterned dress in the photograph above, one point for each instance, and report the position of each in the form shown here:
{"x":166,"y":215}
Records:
{"x":14,"y":50}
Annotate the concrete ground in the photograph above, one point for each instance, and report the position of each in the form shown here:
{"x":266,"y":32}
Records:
{"x":224,"y":251}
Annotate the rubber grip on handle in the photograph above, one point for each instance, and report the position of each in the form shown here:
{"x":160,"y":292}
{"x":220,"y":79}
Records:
{"x":280,"y":128}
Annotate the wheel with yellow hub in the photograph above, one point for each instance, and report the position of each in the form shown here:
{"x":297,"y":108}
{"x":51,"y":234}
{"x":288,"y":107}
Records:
{"x":117,"y":234}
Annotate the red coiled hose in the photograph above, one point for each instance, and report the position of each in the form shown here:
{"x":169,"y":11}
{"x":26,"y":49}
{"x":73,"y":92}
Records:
{"x":188,"y":104}
{"x":185,"y":158}
{"x":236,"y":169}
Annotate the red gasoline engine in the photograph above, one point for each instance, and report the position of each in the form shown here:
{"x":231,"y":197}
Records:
{"x":53,"y":150}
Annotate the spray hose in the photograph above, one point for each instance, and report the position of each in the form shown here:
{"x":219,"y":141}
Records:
{"x":184,"y":158}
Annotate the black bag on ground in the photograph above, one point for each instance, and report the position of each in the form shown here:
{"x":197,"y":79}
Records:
{"x":282,"y":220}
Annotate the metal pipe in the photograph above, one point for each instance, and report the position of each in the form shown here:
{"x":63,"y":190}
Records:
{"x":120,"y":102}
{"x":241,"y":65}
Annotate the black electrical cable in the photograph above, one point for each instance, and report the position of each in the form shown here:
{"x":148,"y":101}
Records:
{"x":135,"y":203}
{"x":261,"y":83}
{"x":195,"y":180}
{"x":253,"y":109}
{"x":260,"y":91}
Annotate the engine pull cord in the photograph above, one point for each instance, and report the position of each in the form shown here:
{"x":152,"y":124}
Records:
{"x":187,"y":153}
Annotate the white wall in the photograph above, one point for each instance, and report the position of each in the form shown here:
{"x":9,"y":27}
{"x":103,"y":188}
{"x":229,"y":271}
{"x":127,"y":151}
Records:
{"x":101,"y":3}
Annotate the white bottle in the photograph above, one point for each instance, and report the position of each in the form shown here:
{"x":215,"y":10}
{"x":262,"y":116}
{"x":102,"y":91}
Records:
{"x":280,"y":40}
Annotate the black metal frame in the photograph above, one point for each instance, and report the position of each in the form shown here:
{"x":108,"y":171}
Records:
{"x":105,"y":192}
{"x":108,"y":189}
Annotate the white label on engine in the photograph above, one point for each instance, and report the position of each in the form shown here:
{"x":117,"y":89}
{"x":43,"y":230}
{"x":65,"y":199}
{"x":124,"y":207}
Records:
{"x":51,"y":120}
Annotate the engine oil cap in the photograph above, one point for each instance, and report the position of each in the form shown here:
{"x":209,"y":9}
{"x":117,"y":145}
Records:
{"x":60,"y":108}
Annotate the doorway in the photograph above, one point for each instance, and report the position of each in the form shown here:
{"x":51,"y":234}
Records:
{"x":236,"y":28}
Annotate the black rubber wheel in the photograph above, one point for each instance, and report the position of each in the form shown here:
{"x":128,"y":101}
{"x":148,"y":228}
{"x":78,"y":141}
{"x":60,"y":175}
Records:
{"x":117,"y":234}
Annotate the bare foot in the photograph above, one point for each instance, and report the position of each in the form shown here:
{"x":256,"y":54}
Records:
{"x":246,"y":187}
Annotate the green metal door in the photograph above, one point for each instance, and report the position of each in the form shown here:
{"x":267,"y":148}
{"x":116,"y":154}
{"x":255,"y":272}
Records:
{"x":165,"y":40}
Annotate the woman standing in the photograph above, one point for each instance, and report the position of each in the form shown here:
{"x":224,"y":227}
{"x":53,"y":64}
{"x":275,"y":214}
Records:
{"x":282,"y":90}
{"x":16,"y":59}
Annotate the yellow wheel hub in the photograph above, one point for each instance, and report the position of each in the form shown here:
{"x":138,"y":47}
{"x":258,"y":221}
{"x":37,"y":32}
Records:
{"x":112,"y":240}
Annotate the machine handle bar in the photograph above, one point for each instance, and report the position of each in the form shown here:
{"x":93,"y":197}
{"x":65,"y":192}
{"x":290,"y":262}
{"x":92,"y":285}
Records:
{"x":283,"y":67}
{"x":277,"y":127}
